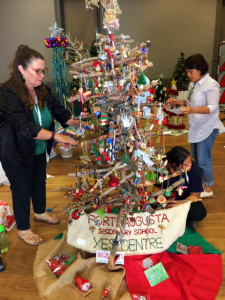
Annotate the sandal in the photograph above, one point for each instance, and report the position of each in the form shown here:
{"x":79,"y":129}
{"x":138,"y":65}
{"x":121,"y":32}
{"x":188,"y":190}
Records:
{"x":45,"y":217}
{"x":30,"y":238}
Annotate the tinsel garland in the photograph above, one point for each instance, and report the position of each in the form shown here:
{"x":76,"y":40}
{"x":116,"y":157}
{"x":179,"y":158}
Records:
{"x":172,"y":92}
{"x":173,"y":126}
{"x":170,"y":113}
{"x":60,"y":85}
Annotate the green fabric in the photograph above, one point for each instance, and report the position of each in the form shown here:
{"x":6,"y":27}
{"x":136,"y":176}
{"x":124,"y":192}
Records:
{"x":193,"y":238}
{"x":46,"y":120}
{"x":59,"y":236}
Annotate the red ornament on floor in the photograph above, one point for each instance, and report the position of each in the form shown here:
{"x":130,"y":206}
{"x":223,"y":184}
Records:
{"x":106,"y":291}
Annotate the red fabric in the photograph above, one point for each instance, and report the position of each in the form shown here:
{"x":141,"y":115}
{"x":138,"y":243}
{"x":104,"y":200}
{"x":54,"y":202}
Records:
{"x":222,"y":82}
{"x":191,"y":277}
{"x":222,"y":98}
{"x":222,"y":68}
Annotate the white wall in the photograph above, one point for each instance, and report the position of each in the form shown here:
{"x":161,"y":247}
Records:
{"x":172,"y":26}
{"x":24,"y":22}
{"x":79,"y":21}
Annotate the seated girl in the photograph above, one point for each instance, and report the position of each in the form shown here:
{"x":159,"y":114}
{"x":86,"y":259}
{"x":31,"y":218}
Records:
{"x":180,"y":158}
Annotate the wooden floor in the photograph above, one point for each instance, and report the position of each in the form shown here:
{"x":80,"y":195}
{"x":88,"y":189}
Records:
{"x":17,"y":283}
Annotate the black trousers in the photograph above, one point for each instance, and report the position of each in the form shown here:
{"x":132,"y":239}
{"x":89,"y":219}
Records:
{"x":197,"y":212}
{"x":26,"y":185}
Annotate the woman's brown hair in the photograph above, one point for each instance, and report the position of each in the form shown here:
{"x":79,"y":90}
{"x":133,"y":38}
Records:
{"x":24,"y":56}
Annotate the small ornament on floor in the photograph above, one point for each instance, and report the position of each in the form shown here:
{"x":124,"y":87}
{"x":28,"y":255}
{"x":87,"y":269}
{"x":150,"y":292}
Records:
{"x":83,"y":286}
{"x":51,"y":209}
{"x":106,"y":291}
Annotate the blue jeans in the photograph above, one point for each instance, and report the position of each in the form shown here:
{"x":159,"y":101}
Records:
{"x":201,"y":152}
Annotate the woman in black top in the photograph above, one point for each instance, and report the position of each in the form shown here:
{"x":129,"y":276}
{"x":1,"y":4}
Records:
{"x":27,"y":112}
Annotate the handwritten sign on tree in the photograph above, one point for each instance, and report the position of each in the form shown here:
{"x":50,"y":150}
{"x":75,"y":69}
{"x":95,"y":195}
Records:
{"x":144,"y":233}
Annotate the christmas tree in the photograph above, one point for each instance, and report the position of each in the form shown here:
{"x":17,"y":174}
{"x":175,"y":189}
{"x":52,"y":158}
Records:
{"x":160,"y":92}
{"x":180,"y":74}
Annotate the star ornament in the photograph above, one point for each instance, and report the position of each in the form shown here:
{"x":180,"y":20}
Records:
{"x":55,"y":30}
{"x":173,"y":83}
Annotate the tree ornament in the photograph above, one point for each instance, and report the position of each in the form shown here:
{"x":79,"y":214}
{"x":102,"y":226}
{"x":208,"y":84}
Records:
{"x":103,"y":119}
{"x":113,"y":182}
{"x":142,"y":80}
{"x":180,"y":191}
{"x":167,"y":193}
{"x":106,"y":291}
{"x":82,"y":285}
{"x":55,"y":30}
{"x":101,"y":213}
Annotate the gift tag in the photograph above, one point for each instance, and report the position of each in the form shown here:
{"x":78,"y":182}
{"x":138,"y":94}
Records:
{"x":102,"y":256}
{"x":182,"y":248}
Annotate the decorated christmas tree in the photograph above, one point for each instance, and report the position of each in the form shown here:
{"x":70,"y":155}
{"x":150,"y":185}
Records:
{"x":160,"y":92}
{"x":180,"y":74}
{"x":120,"y":165}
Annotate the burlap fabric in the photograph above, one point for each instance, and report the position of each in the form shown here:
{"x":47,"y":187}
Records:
{"x":52,"y":288}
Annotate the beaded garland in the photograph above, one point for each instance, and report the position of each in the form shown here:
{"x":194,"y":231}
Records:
{"x":53,"y":42}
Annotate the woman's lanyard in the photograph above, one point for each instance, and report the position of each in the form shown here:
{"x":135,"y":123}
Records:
{"x":37,"y":109}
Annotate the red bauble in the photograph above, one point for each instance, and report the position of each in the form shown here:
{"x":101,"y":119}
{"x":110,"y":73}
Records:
{"x":113,"y":182}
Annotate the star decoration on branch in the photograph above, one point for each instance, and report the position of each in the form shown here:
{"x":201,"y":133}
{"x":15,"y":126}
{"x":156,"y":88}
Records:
{"x":55,"y":30}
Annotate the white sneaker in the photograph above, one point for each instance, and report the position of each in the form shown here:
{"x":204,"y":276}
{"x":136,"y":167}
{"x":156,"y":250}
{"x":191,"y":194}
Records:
{"x":206,"y":194}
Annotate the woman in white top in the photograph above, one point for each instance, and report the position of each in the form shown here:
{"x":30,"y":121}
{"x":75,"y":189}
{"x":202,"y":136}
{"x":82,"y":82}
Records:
{"x":202,"y":109}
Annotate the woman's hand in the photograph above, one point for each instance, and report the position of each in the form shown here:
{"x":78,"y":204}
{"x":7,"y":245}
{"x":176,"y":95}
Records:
{"x":65,"y":140}
{"x":194,"y":197}
{"x":186,"y":110}
{"x":171,"y":101}
{"x":174,"y":101}
{"x":76,"y":123}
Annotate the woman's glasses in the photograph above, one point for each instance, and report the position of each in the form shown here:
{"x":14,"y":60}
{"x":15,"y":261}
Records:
{"x":39,"y":71}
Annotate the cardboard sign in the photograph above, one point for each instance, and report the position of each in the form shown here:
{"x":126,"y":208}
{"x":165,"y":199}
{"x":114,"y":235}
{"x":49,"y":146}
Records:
{"x":144,"y":233}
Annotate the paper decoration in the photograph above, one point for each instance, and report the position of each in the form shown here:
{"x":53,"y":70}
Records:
{"x":156,"y":274}
{"x":59,"y":264}
{"x":147,"y":263}
{"x":195,"y":250}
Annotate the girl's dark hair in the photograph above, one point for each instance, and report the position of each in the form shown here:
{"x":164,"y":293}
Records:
{"x":176,"y":156}
{"x":198,"y":62}
{"x":24,"y":56}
